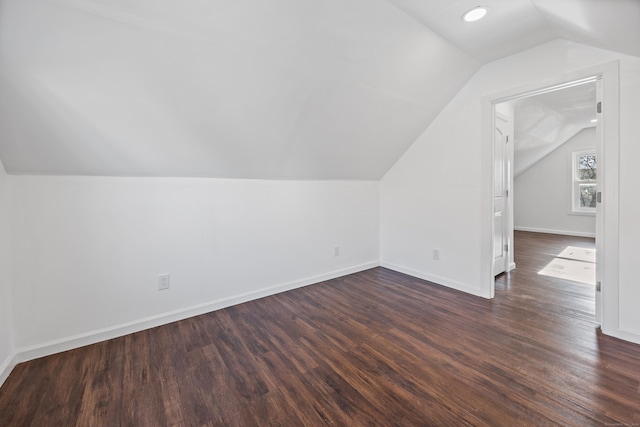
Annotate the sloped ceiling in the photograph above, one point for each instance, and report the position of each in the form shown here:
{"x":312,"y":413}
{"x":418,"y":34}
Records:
{"x":226,"y":88}
{"x":292,"y":89}
{"x":514,"y":25}
{"x":544,"y":122}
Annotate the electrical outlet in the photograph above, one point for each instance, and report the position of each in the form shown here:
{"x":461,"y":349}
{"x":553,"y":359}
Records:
{"x":336,"y":251}
{"x":163,"y":281}
{"x":436,"y":255}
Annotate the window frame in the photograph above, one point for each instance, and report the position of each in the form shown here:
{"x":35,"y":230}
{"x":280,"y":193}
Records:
{"x":576,"y":209}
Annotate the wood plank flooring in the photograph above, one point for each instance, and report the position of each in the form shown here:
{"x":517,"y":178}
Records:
{"x":374,"y":348}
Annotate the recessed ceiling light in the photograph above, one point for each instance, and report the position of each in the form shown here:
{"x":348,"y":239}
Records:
{"x":475,"y":14}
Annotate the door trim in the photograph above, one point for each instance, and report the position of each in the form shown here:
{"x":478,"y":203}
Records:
{"x":609,"y":152}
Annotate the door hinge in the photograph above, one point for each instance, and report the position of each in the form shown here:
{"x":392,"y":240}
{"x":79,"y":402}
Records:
{"x":506,"y":248}
{"x":598,"y":286}
{"x":599,"y":107}
{"x":599,"y":197}
{"x":507,"y":138}
{"x":506,"y":193}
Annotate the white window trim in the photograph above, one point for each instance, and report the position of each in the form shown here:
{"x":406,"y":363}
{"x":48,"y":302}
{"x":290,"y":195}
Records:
{"x":574,"y":203}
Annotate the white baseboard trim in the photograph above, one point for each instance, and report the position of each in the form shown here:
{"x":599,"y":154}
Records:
{"x":7,"y":366}
{"x":91,"y":337}
{"x":550,"y":231}
{"x":443,"y":281}
{"x":622,"y":334}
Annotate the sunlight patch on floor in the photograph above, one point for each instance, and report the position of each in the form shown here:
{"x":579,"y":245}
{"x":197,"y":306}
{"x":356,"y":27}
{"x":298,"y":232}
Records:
{"x":578,"y":254}
{"x":573,"y":263}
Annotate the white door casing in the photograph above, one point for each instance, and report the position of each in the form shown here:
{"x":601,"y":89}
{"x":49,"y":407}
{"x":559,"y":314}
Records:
{"x":599,"y":212}
{"x":607,"y":229}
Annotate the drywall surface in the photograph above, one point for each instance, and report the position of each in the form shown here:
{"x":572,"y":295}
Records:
{"x":6,"y":334}
{"x":274,"y":89}
{"x":432,"y":197}
{"x":88,"y":250}
{"x":542,"y":193}
{"x":629,"y":200}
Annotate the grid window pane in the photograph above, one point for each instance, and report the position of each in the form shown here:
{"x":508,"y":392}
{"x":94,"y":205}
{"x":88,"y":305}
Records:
{"x":587,"y":195}
{"x":587,"y":168}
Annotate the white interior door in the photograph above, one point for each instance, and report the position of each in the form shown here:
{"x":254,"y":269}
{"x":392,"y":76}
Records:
{"x":501,"y":194}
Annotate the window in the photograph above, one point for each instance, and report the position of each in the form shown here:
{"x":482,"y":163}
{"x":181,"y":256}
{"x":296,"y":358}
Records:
{"x":584,"y":182}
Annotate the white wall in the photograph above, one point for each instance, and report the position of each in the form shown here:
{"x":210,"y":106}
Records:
{"x":87,"y":250}
{"x":6,"y":329}
{"x":433,"y":196}
{"x":629,"y":199}
{"x":542,"y":193}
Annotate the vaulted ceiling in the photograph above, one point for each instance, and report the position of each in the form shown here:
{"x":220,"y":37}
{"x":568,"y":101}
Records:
{"x":546,"y":121}
{"x":292,"y":89}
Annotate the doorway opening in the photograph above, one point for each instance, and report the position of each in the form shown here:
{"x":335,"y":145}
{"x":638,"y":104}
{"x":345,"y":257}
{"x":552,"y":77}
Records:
{"x":603,"y":81}
{"x":546,"y":172}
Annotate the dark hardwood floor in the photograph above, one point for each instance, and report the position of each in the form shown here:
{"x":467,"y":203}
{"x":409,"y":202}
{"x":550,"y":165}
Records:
{"x":373,"y":348}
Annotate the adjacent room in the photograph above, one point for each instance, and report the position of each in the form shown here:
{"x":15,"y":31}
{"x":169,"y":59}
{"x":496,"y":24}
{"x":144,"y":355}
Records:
{"x":384,"y":212}
{"x":554,"y":184}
